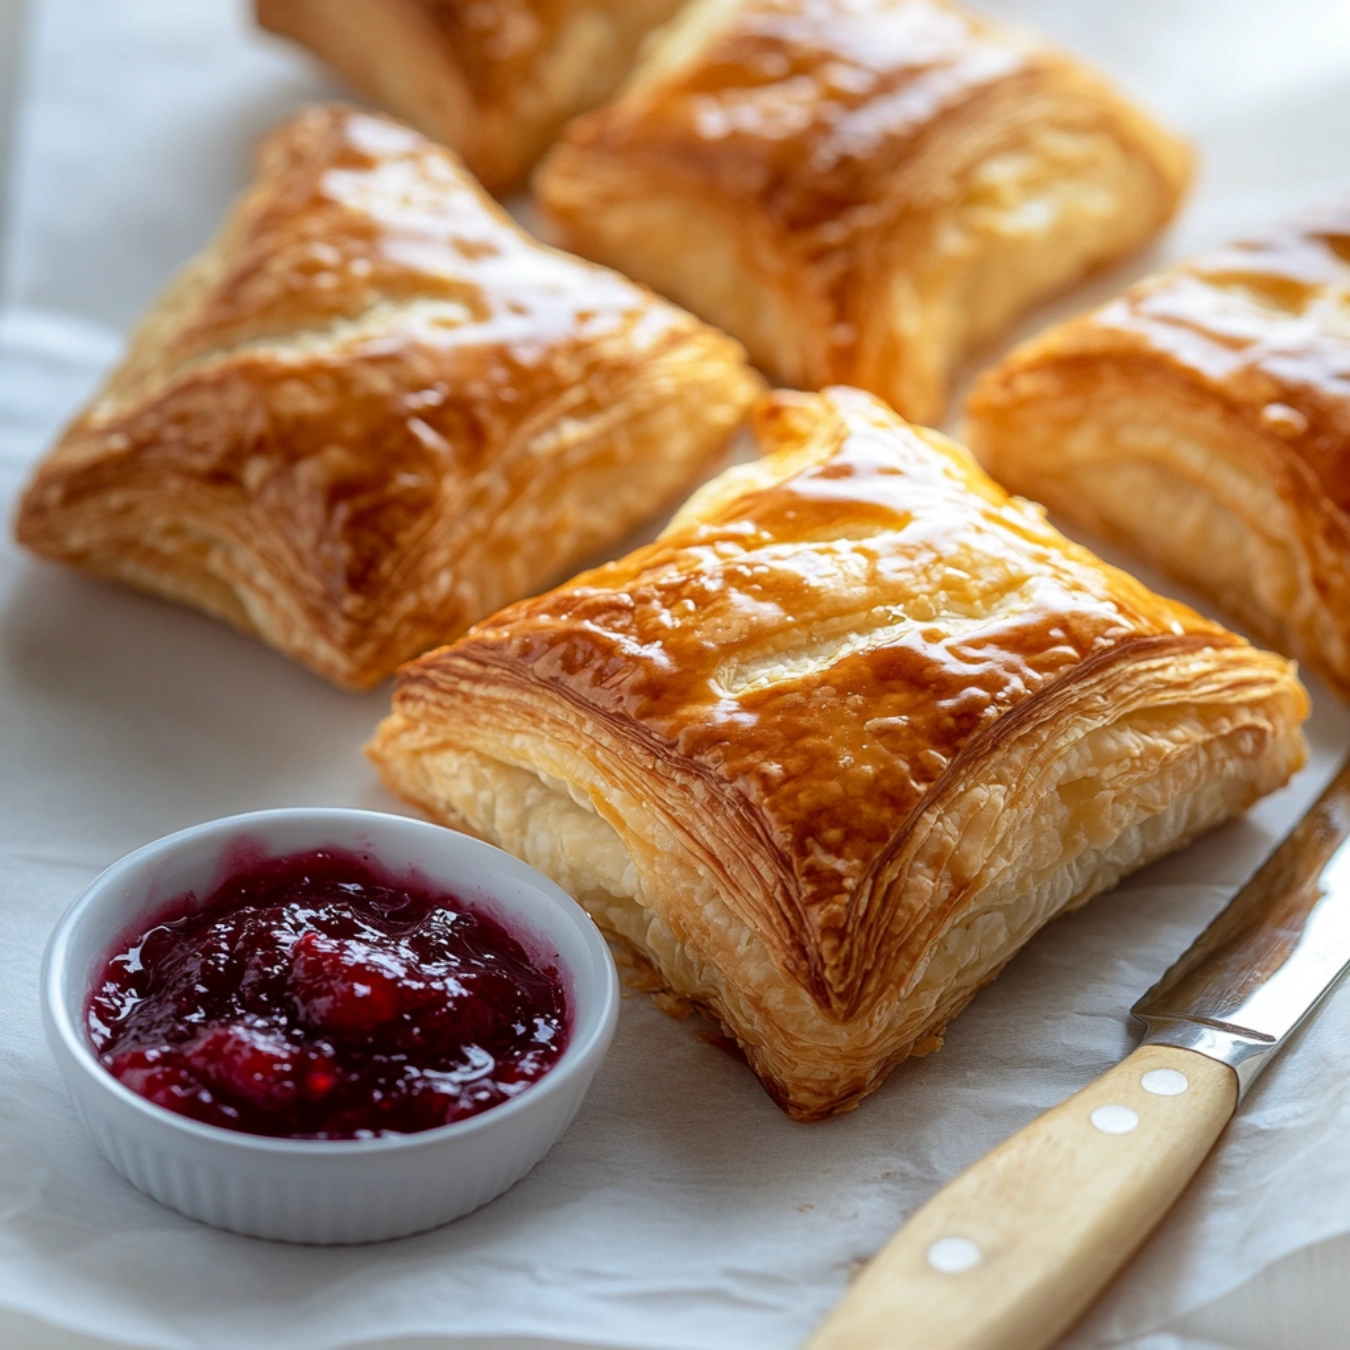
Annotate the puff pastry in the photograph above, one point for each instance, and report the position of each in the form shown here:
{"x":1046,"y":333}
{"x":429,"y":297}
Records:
{"x":1203,"y":420}
{"x":830,"y":750}
{"x":375,"y":411}
{"x":862,"y":191}
{"x":493,"y":79}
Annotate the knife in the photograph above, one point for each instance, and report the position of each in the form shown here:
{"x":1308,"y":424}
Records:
{"x":1008,"y":1255}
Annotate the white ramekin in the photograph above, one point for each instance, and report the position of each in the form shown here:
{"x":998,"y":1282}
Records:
{"x":315,"y":1190}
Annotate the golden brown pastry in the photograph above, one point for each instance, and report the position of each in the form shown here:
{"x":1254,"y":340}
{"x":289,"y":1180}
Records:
{"x":375,"y":410}
{"x":493,"y":79}
{"x":836,"y":745}
{"x":860,"y":190}
{"x":1203,"y":420}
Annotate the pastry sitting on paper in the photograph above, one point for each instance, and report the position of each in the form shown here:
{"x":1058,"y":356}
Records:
{"x":1202,"y":419}
{"x":830,"y":750}
{"x":862,"y":191}
{"x":375,"y":410}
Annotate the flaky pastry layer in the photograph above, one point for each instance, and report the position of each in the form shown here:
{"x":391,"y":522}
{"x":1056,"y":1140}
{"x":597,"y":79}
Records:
{"x":862,"y":191}
{"x":1202,"y":420}
{"x":830,"y":750}
{"x":493,"y":79}
{"x":375,"y":410}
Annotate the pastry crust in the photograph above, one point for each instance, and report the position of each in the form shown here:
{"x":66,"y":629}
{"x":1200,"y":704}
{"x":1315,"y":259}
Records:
{"x":862,"y":191}
{"x":1202,"y":419}
{"x":375,"y":411}
{"x":830,"y":750}
{"x":493,"y":79}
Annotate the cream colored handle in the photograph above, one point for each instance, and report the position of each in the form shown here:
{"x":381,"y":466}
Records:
{"x":1009,"y":1254}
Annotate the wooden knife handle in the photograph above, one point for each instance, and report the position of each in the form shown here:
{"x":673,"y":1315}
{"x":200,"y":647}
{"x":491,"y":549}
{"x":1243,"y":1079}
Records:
{"x":1009,"y":1254}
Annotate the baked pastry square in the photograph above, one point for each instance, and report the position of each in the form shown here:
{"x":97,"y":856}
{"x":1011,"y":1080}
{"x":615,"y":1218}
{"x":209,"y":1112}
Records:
{"x":374,"y":410}
{"x":830,"y":750}
{"x":1202,"y":420}
{"x":493,"y":79}
{"x":862,"y":191}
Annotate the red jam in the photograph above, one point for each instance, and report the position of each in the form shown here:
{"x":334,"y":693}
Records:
{"x":315,"y":997}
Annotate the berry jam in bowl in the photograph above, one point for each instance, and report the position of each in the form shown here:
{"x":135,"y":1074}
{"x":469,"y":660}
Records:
{"x":326,"y":1026}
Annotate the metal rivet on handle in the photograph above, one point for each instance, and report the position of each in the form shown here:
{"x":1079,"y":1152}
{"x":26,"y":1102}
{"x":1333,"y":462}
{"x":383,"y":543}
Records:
{"x":952,"y":1255}
{"x":1165,"y":1082}
{"x":1114,"y":1119}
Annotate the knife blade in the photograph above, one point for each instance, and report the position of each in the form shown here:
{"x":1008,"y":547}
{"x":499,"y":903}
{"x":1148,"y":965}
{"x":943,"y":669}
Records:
{"x":1247,"y":982}
{"x":1009,"y":1254}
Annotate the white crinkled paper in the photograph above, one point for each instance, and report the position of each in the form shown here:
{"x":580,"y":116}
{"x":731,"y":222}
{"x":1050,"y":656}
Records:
{"x":682,"y":1211}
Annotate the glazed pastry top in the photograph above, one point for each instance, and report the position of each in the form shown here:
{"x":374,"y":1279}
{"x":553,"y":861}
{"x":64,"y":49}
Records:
{"x":826,"y":644}
{"x":800,"y":105}
{"x":357,"y":218}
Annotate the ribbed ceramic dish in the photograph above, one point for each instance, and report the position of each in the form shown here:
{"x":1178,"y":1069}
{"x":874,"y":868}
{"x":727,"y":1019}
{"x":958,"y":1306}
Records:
{"x":325,"y":1191}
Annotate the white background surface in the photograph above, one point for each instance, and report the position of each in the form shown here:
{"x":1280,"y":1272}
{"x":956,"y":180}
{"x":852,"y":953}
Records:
{"x":682,"y":1210}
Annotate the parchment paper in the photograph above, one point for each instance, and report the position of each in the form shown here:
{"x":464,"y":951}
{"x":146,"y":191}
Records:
{"x":682,"y":1210}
